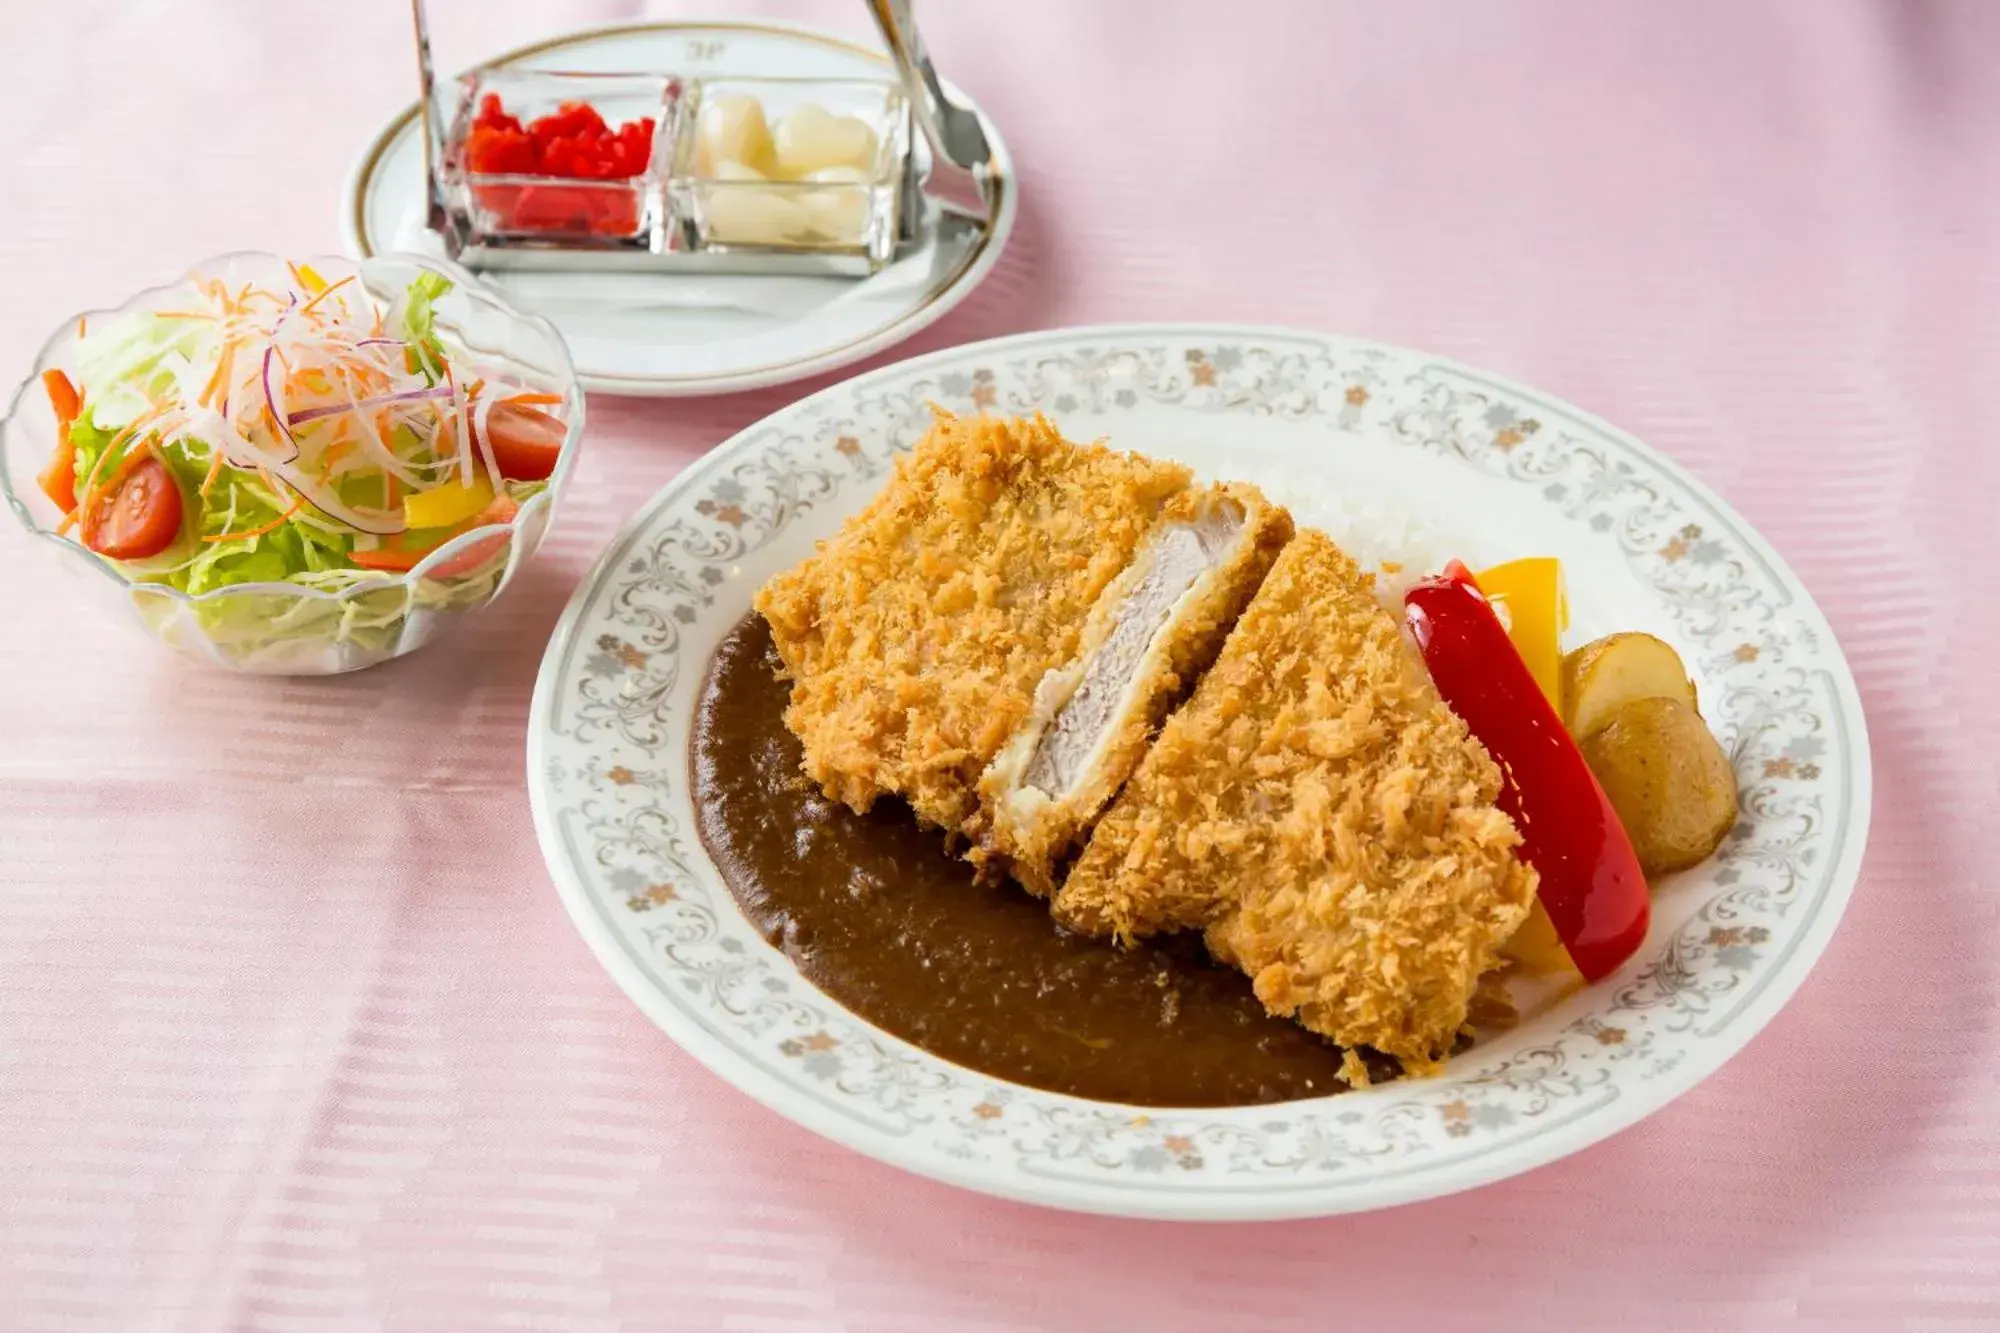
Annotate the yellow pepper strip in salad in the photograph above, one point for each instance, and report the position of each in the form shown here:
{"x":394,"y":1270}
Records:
{"x":447,"y":505}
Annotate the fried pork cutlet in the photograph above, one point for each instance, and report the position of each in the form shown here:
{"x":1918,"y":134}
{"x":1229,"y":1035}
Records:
{"x":915,"y":637}
{"x":1324,"y":818}
{"x":1151,"y":634}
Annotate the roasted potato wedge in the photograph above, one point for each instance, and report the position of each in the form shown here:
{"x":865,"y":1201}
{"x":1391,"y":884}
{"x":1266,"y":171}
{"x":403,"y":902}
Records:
{"x":1667,"y":778}
{"x":1606,"y":674}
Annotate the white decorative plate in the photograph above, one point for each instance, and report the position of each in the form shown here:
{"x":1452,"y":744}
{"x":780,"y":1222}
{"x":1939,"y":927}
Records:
{"x":668,"y":337}
{"x":1347,"y":430}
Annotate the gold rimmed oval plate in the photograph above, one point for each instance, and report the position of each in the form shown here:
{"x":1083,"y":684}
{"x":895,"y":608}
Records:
{"x":1390,"y":451}
{"x":700,"y":334}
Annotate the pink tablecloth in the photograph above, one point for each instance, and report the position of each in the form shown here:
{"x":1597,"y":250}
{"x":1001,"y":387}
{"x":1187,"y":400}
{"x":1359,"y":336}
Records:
{"x":294,"y":1034}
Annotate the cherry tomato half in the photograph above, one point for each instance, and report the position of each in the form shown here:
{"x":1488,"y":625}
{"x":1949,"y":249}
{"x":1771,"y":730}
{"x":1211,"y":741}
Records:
{"x":502,"y":510}
{"x":139,"y":517}
{"x":526,"y":441}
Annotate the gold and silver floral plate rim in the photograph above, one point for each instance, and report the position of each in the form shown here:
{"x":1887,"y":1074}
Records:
{"x":1317,"y":420}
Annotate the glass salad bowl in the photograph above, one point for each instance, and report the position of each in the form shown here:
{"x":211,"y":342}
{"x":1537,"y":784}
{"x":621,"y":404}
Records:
{"x":289,"y":588}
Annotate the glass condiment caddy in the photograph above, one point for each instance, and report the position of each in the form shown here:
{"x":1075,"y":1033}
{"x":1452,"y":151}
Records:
{"x":662,"y":171}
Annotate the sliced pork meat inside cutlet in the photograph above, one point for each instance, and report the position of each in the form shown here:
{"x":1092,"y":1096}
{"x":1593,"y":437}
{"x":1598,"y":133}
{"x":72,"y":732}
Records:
{"x":1150,"y":635}
{"x":915,"y":638}
{"x":1321,"y":815}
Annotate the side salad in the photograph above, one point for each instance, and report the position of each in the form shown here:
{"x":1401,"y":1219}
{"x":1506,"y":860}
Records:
{"x":302,"y":433}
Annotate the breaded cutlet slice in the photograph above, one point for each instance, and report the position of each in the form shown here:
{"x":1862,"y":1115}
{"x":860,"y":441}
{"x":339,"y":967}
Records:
{"x":1324,"y":818}
{"x":915,"y":637}
{"x":1151,"y":634}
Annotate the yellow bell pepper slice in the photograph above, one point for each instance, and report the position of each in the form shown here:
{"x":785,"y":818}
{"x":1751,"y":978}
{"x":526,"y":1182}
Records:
{"x":448,"y":505}
{"x":1532,"y":603}
{"x":1536,"y":946}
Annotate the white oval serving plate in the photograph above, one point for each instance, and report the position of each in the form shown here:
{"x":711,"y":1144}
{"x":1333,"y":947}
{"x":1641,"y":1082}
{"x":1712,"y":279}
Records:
{"x":1346,"y":431}
{"x":690,"y":334}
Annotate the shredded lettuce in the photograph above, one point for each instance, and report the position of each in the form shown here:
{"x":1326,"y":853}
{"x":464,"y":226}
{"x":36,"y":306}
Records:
{"x":130,"y":356}
{"x":90,"y":440}
{"x":419,"y":321}
{"x":272,"y":631}
{"x":239,"y":502}
{"x":290,"y":549}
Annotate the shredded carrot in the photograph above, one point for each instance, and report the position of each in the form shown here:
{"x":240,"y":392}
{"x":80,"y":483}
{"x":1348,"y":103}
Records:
{"x":223,"y":365}
{"x":82,"y":325}
{"x":365,"y":379}
{"x":297,"y":276}
{"x":527,"y":399}
{"x":87,"y":491}
{"x":88,"y":496}
{"x":214,"y":471}
{"x":298,"y":502}
{"x":270,"y":482}
{"x":182,"y":314}
{"x":127,"y":465}
{"x":328,"y":291}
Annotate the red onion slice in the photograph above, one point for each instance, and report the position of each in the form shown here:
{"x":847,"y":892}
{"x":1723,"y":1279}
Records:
{"x":335,"y":409}
{"x":271,"y":401}
{"x":380,"y":523}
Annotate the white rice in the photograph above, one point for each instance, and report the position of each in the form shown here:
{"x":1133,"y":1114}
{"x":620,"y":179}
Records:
{"x":1396,"y":546}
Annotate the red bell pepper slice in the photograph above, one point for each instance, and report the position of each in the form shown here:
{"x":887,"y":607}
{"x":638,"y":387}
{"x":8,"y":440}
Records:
{"x":58,"y":478}
{"x":63,"y":397}
{"x":1591,"y":884}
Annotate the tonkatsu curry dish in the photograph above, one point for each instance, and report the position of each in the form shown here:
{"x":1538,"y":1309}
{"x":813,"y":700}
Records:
{"x":1088,"y":773}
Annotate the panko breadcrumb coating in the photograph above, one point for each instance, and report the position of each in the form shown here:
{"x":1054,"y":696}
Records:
{"x":915,"y":637}
{"x":1150,"y":636}
{"x":1320,"y":813}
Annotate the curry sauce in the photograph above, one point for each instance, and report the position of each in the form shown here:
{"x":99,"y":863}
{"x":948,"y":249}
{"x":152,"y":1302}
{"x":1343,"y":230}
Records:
{"x":875,"y":912}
